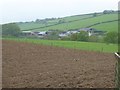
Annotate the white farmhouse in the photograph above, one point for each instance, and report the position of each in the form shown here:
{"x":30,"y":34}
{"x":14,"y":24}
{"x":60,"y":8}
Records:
{"x":42,"y":34}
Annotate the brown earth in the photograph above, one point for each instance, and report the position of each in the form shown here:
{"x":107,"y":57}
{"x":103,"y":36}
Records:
{"x":38,"y":66}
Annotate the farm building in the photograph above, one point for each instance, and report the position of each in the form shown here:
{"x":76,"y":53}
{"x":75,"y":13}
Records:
{"x":67,"y":33}
{"x":42,"y":33}
{"x":92,"y":31}
{"x":27,"y":33}
{"x":97,"y":32}
{"x":73,"y":31}
{"x":38,"y":34}
{"x":63,"y":34}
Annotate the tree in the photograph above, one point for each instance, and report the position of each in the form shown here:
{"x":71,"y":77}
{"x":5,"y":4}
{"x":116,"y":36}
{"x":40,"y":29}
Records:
{"x":93,"y":38}
{"x":37,"y":20}
{"x":111,"y":37}
{"x":108,"y":11}
{"x":53,"y":35}
{"x":11,"y":29}
{"x":82,"y":36}
{"x":95,"y":14}
{"x":73,"y":37}
{"x":61,"y":21}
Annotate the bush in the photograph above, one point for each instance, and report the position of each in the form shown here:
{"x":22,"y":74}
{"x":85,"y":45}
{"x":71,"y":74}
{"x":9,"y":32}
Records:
{"x":65,"y":38}
{"x":10,"y":29}
{"x":93,"y":39}
{"x":74,"y":37}
{"x":111,"y":37}
{"x":82,"y":36}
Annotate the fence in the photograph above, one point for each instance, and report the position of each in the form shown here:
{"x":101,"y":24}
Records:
{"x":117,"y":73}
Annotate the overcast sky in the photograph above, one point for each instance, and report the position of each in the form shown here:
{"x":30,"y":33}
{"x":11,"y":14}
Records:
{"x":28,"y":10}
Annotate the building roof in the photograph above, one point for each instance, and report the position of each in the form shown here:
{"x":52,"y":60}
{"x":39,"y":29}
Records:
{"x":26,"y":31}
{"x":43,"y":32}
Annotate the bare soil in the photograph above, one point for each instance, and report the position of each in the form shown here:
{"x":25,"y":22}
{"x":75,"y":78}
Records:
{"x":27,"y":65}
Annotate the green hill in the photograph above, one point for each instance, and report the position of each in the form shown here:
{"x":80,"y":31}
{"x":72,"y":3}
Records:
{"x":32,"y":25}
{"x":111,"y":26}
{"x":106,"y":22}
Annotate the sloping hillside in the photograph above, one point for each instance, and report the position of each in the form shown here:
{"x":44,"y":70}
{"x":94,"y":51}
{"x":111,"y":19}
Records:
{"x":32,"y":25}
{"x":111,"y":26}
{"x":106,"y":22}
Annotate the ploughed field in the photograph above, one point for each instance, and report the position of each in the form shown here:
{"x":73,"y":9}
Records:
{"x":26,"y":65}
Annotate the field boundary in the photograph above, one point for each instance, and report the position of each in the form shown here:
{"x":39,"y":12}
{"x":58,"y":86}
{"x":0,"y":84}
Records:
{"x":117,"y":71}
{"x":102,"y":23}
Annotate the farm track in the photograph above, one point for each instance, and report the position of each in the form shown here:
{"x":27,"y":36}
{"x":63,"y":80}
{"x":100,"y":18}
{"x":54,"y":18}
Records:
{"x":38,"y":66}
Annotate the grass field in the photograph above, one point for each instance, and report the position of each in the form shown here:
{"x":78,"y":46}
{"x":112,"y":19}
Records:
{"x":76,"y":22}
{"x":111,"y":26}
{"x":77,"y":17}
{"x":82,"y":23}
{"x":30,"y":25}
{"x":90,"y":46}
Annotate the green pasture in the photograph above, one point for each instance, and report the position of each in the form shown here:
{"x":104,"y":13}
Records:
{"x":82,"y":23}
{"x":111,"y":26}
{"x":30,"y":25}
{"x":75,"y":22}
{"x":90,"y":46}
{"x":77,"y":17}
